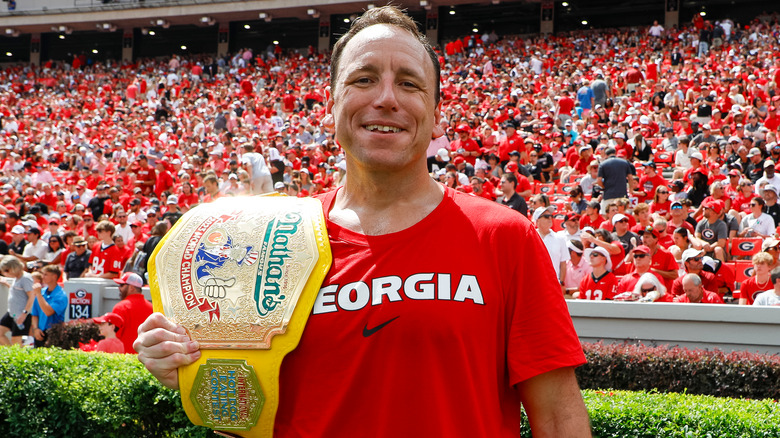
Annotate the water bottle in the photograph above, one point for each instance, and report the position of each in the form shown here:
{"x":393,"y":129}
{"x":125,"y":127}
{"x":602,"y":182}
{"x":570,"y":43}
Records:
{"x":21,"y":326}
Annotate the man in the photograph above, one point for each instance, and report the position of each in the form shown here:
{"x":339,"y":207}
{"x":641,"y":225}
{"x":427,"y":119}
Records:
{"x":626,"y":237}
{"x":613,"y":176}
{"x":146,"y":176}
{"x":464,"y":145}
{"x":649,"y":181}
{"x":772,"y":208}
{"x":577,"y":267}
{"x":571,"y":227}
{"x":35,"y":248}
{"x":123,"y":227}
{"x":98,"y":202}
{"x":662,"y":264}
{"x":772,"y":296}
{"x":109,"y":325}
{"x":77,"y":260}
{"x":601,"y":283}
{"x":134,"y":308}
{"x":693,"y":263}
{"x":641,"y":263}
{"x":17,"y":244}
{"x":49,"y":306}
{"x":769,"y":175}
{"x":555,"y":244}
{"x":713,"y":231}
{"x":511,"y":198}
{"x":384,"y":105}
{"x":106,"y":260}
{"x":695,"y":292}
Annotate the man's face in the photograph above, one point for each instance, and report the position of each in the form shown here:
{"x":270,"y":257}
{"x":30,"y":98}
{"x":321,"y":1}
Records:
{"x":770,"y":197}
{"x":81,"y":249}
{"x":476,"y":185}
{"x":769,"y":171}
{"x":384,"y":104}
{"x":642,"y":261}
{"x":694,"y":264}
{"x":123,"y":289}
{"x":649,"y":239}
{"x":693,"y":292}
{"x":506,"y":186}
{"x":621,"y":226}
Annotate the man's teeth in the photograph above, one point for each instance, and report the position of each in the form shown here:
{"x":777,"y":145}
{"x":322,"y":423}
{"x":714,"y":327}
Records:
{"x":382,"y":128}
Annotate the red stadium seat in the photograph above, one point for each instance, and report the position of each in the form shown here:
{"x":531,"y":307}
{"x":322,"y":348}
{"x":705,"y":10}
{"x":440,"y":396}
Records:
{"x":545,"y":189}
{"x":557,"y":224}
{"x":745,"y":246}
{"x":565,"y":189}
{"x":663,"y":157}
{"x":743,"y":270}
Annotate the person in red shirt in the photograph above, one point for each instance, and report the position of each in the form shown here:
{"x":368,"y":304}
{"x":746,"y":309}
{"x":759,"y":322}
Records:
{"x":106,"y":259}
{"x":146,"y":177}
{"x":663,"y":263}
{"x":134,"y":308}
{"x":477,"y":184}
{"x":464,"y":145}
{"x":694,"y":292}
{"x":592,"y":217}
{"x":641,"y":265}
{"x":565,"y":104}
{"x":760,"y":281}
{"x":692,"y":259}
{"x":601,"y":283}
{"x":649,"y":181}
{"x":109,"y":324}
{"x":512,"y":142}
{"x":164,"y":180}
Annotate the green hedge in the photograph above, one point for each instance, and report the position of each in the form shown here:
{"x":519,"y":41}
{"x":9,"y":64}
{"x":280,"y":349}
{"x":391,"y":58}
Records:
{"x":54,"y":393}
{"x":649,"y":415}
{"x":673,"y":369}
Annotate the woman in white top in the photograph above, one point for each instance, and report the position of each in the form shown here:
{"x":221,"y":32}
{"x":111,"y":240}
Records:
{"x":757,"y":223}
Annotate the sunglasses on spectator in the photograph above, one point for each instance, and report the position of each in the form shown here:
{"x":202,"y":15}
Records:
{"x":677,"y":207}
{"x":663,"y":192}
{"x":640,"y":255}
{"x":772,"y":248}
{"x":695,"y":259}
{"x":755,"y":204}
{"x":596,"y":254}
{"x":648,"y":290}
{"x":546,"y":216}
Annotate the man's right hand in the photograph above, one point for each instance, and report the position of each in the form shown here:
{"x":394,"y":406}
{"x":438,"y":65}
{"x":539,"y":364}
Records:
{"x":163,"y":347}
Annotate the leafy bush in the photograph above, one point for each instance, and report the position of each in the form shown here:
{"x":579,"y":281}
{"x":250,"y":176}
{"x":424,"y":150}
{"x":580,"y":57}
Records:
{"x":649,"y":415}
{"x":53,"y":393}
{"x":673,"y":369}
{"x":68,"y":335}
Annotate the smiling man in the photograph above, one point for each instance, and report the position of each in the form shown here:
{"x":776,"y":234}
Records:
{"x":402,"y":341}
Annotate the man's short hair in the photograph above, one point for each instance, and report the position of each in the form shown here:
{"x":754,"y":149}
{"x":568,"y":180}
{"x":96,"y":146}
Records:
{"x":392,"y":16}
{"x":105,"y":226}
{"x":52,"y":269}
{"x":510,"y":178}
{"x":610,"y":151}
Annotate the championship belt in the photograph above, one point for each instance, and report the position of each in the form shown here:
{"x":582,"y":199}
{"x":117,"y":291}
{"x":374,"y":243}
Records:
{"x":241,"y":275}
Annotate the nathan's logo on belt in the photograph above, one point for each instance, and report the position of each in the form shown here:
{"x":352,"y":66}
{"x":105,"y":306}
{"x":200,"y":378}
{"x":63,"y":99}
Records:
{"x":274,"y":253}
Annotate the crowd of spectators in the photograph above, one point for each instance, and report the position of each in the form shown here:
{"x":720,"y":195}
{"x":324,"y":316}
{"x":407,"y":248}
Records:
{"x":642,"y":143}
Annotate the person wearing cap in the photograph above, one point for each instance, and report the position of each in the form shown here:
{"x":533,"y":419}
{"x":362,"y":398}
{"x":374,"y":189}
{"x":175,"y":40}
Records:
{"x":622,"y":233}
{"x":464,"y":145}
{"x":592,"y":217}
{"x":49,"y":305}
{"x":650,"y":181}
{"x":389,"y":199}
{"x":755,"y":168}
{"x":512,"y":142}
{"x":97,"y":204}
{"x":712,"y":231}
{"x":770,"y":297}
{"x":571,"y":227}
{"x":146,"y":176}
{"x":641,"y":259}
{"x":694,"y":292}
{"x":693,"y":263}
{"x":705,"y":136}
{"x":601,"y":283}
{"x":133,"y":307}
{"x":555,"y":244}
{"x":613,"y":177}
{"x":108,"y":325}
{"x":18,"y":242}
{"x":772,"y":207}
{"x":577,"y":267}
{"x":77,"y":260}
{"x":770,"y":176}
{"x":35,"y":248}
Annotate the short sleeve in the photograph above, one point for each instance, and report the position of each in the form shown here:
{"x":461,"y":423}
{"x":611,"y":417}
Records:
{"x":541,"y":333}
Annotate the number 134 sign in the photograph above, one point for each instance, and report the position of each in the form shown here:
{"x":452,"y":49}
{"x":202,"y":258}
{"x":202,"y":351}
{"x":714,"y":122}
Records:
{"x":80,"y":304}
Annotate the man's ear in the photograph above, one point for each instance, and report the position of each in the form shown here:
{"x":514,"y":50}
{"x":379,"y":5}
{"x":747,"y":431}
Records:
{"x":328,"y":121}
{"x":438,"y":131}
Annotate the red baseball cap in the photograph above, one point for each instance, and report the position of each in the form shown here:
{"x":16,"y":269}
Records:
{"x":111,"y":318}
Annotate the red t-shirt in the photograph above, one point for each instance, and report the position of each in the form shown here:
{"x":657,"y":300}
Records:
{"x":105,"y":260}
{"x":708,"y":281}
{"x":598,"y":289}
{"x":454,"y":335}
{"x":586,"y":221}
{"x":707,"y":298}
{"x":134,"y":310}
{"x":750,"y":289}
{"x":110,"y":345}
{"x":663,"y":260}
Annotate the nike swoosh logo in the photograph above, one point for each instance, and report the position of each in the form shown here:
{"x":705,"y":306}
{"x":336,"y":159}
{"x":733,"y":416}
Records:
{"x":368,"y":332}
